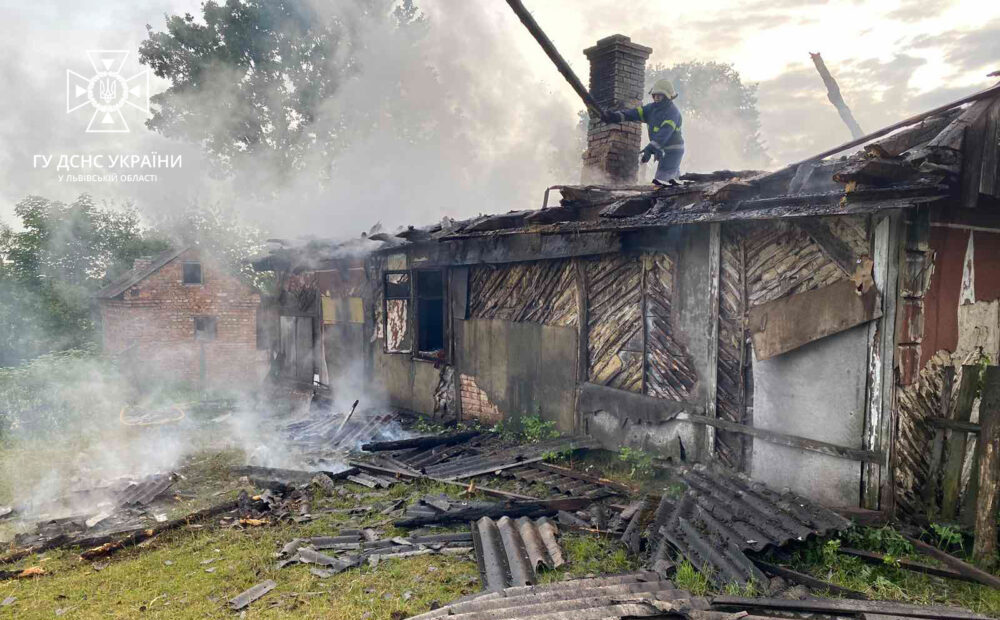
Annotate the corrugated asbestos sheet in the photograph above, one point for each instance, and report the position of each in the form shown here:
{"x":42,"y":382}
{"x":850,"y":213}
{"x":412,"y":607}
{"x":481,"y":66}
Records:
{"x":580,"y":599}
{"x":723,"y":514}
{"x":144,"y":491}
{"x":537,"y":292}
{"x":433,"y":505}
{"x":474,"y":465}
{"x":565,"y":481}
{"x":324,"y":430}
{"x":510,"y":552}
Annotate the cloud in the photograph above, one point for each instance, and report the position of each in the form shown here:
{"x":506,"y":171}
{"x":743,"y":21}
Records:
{"x":968,"y":50}
{"x":918,"y":10}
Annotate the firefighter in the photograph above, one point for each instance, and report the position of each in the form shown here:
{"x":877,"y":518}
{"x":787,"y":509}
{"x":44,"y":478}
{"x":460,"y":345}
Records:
{"x":666,"y":143}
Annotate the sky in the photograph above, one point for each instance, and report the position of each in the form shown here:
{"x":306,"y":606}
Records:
{"x":504,"y":124}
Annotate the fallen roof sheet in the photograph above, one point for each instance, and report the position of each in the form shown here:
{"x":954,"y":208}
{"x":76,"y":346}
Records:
{"x":510,"y":552}
{"x":723,"y":514}
{"x":144,"y":491}
{"x":565,"y":480}
{"x":474,"y":465}
{"x":579,"y":599}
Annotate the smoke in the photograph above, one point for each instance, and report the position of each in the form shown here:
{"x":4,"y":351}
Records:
{"x":438,"y":120}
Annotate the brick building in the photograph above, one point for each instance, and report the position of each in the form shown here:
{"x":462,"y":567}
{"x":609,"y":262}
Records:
{"x":183,"y":316}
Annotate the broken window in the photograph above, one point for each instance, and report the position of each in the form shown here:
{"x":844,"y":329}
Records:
{"x":204,"y":327}
{"x":192,"y":273}
{"x":397,"y":305}
{"x":430,"y":311}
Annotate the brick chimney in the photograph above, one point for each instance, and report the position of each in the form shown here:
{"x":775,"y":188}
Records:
{"x":141,"y":263}
{"x":617,"y":80}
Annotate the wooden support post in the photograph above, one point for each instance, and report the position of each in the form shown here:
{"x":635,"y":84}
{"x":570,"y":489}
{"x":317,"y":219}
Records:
{"x":984,"y":550}
{"x":951,"y":479}
{"x":712,"y":378}
{"x":583,"y":336}
{"x":929,"y":493}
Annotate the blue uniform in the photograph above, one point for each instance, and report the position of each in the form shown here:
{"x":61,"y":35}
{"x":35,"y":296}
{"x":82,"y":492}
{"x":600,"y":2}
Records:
{"x":664,"y":122}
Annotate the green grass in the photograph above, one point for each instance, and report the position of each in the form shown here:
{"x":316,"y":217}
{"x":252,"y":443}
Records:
{"x":887,"y":581}
{"x":139,"y":580}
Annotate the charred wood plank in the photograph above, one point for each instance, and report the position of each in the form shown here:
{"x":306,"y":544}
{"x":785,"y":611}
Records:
{"x":790,"y":441}
{"x":877,"y":171}
{"x":954,"y":563}
{"x":954,"y":425}
{"x":628,"y":207}
{"x":788,"y":323}
{"x":421,"y":443}
{"x":532,"y":509}
{"x":139,"y":536}
{"x":984,"y":550}
{"x":880,"y":560}
{"x":906,"y":139}
{"x":553,"y":215}
{"x":809,"y":581}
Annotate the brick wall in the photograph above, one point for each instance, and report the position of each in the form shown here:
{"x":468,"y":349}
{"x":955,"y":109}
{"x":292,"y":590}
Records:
{"x":151,"y":325}
{"x":476,"y":404}
{"x":617,"y":80}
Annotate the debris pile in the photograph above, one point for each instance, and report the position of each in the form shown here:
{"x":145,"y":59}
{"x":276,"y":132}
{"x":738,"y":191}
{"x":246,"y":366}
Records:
{"x":723,"y":515}
{"x":648,"y":595}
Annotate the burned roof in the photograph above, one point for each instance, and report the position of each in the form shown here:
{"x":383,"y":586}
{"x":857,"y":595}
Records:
{"x":133,"y":276}
{"x":915,"y":162}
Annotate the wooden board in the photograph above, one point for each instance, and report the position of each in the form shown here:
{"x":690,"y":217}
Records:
{"x":785,"y":324}
{"x":790,"y":441}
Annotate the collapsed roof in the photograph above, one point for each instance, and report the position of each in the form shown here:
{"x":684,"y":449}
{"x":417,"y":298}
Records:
{"x":925,"y":159}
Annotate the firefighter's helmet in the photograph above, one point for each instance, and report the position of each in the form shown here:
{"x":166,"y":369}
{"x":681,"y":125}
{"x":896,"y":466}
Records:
{"x":664,"y":87}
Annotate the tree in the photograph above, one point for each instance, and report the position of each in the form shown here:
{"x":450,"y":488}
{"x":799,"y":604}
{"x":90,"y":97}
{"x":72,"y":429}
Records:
{"x":221,"y":232}
{"x":721,"y":121}
{"x":251,"y":78}
{"x":50,"y":269}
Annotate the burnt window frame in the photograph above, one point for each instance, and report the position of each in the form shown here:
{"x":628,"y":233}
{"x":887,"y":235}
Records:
{"x":385,"y":309}
{"x":443,"y":299}
{"x":201,"y":273}
{"x":213,"y":321}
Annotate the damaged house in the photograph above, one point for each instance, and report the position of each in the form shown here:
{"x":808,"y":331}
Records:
{"x":808,"y":327}
{"x":184,"y":316}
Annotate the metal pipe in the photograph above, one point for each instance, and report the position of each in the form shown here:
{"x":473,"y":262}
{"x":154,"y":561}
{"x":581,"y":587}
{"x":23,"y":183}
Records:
{"x":553,"y":54}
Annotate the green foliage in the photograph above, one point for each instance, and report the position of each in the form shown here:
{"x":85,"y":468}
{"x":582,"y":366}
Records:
{"x":688,"y":578}
{"x":51,"y":267}
{"x":68,"y":392}
{"x":252,"y":77}
{"x":883,"y":539}
{"x":719,"y":111}
{"x":535,"y":429}
{"x":947,"y":536}
{"x":526,"y":429}
{"x":640,"y":463}
{"x":220,"y":231}
{"x":64,"y":253}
